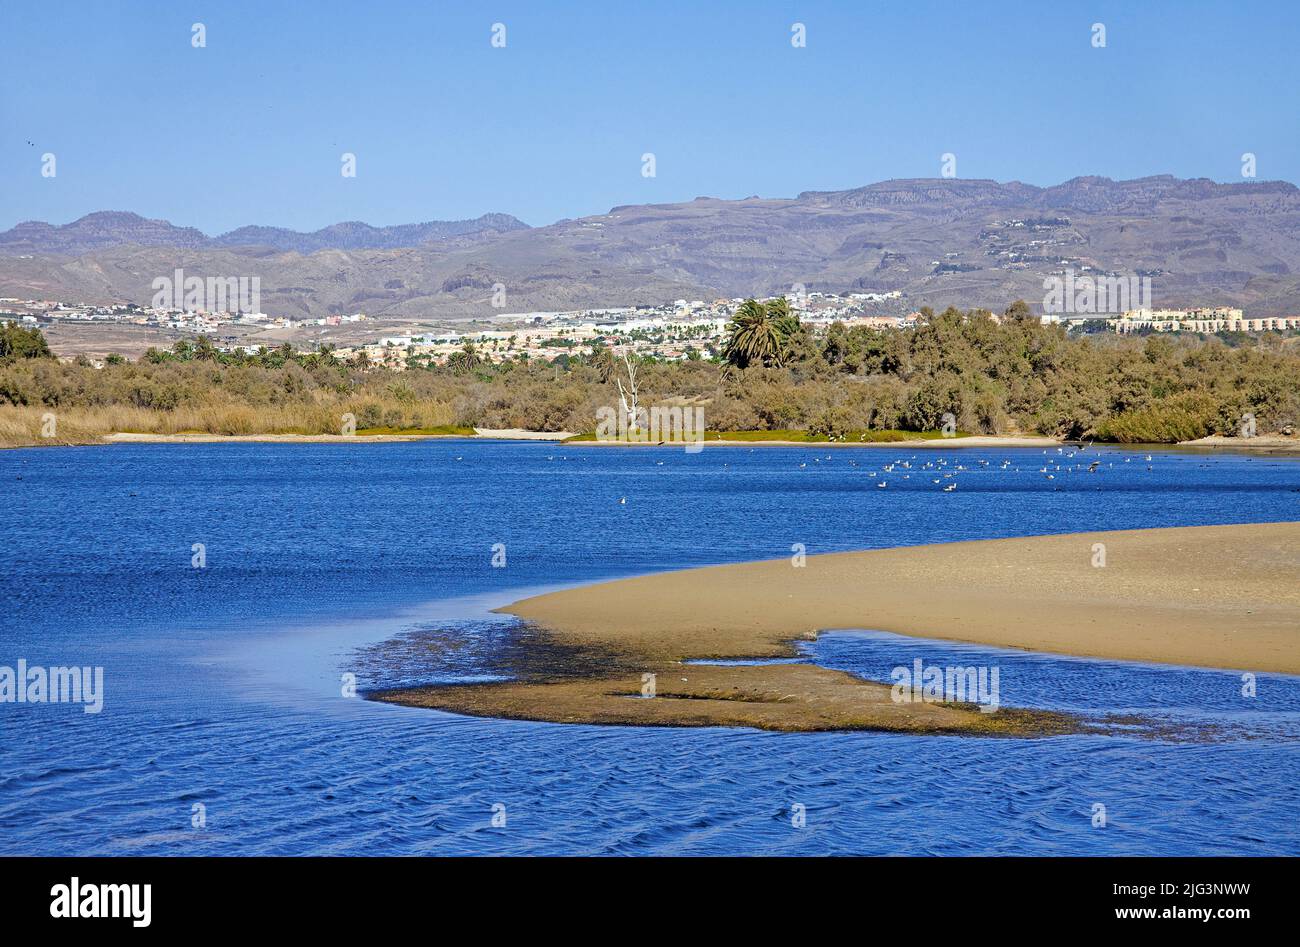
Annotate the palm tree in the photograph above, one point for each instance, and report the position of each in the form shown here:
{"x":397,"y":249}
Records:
{"x":465,"y":360}
{"x":778,"y":310}
{"x":758,"y":333}
{"x":204,"y":349}
{"x":602,"y":359}
{"x":401,"y":392}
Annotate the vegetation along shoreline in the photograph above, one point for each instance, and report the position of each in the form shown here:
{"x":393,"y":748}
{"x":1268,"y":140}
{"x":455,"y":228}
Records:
{"x":775,"y":380}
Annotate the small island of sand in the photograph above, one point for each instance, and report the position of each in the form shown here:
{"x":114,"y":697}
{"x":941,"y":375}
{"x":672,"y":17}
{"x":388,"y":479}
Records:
{"x":1216,"y":596}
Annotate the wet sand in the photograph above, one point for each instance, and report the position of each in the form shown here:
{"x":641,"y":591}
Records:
{"x":1218,"y":596}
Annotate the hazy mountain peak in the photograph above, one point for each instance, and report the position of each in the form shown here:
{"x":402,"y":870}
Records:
{"x":105,"y":229}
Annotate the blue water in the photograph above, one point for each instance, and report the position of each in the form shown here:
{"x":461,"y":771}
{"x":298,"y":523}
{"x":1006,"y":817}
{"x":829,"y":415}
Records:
{"x":222,"y":684}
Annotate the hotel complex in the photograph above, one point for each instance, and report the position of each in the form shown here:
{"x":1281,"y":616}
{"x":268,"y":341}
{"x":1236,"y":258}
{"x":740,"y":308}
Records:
{"x":1218,"y":319}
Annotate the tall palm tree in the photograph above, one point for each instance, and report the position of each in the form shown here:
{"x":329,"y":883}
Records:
{"x":758,"y":333}
{"x":602,"y":359}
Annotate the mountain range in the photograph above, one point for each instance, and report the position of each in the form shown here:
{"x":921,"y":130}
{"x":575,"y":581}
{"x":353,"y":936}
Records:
{"x":938,"y":241}
{"x":107,"y":229}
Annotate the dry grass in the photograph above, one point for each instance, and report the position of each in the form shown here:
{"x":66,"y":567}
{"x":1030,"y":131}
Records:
{"x":29,"y":426}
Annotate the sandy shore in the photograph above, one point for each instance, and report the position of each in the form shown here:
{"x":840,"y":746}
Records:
{"x":941,"y":443}
{"x":1221,"y":596}
{"x":1268,"y":444}
{"x":1263,"y":444}
{"x":519,"y":434}
{"x":507,"y":434}
{"x":268,"y":438}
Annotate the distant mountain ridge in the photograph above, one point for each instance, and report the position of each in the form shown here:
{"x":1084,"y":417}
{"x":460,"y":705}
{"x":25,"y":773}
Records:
{"x":108,"y":229}
{"x":936,"y":241}
{"x":1087,"y":194}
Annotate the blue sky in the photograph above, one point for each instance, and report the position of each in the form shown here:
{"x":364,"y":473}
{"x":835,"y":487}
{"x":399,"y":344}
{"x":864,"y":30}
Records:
{"x":251,"y":128}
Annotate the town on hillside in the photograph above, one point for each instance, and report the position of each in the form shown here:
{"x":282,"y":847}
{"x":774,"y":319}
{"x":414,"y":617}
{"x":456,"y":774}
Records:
{"x":679,"y":330}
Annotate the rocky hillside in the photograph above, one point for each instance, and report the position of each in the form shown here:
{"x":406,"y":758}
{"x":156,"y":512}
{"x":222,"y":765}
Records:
{"x":939,"y":241}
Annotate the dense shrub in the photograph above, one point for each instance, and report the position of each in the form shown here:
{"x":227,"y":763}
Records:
{"x":1007,"y":376}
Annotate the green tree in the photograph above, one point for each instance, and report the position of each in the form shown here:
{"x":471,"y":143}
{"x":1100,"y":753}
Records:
{"x":1019,"y":311}
{"x":836,"y":347}
{"x":758,"y":333}
{"x":17,"y":342}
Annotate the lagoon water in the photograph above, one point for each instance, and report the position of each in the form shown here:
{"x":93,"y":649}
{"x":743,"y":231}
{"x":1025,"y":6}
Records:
{"x":223,"y":697}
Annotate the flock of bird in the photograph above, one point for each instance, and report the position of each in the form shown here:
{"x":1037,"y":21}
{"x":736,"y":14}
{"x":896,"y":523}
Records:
{"x":943,"y":473}
{"x":1060,"y":463}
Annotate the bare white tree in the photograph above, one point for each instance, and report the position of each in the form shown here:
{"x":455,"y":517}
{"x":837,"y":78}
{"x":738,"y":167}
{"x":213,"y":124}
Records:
{"x":630,"y":410}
